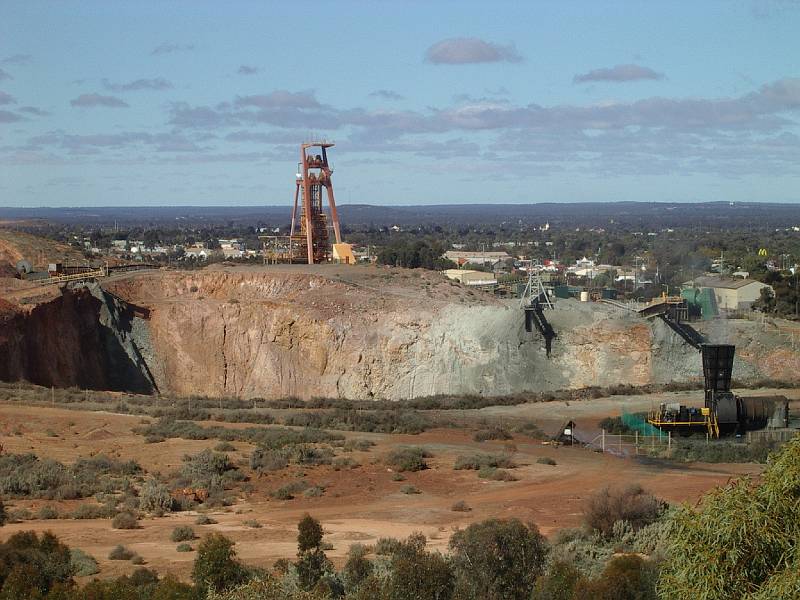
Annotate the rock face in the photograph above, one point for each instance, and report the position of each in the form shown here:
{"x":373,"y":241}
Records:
{"x":278,"y":333}
{"x":79,"y":339}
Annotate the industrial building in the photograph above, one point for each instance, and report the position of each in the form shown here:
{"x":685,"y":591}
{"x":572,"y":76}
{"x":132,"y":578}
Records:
{"x":462,"y":257}
{"x":729,"y":294}
{"x":470,"y":277}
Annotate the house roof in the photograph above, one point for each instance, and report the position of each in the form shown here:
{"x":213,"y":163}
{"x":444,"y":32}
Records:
{"x":724,"y":282}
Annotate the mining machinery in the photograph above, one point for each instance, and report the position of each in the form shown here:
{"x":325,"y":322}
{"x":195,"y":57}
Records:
{"x":723,"y":412}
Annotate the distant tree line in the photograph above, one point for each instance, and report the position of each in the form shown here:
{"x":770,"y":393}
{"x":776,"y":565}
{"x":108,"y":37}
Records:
{"x":415,"y":254}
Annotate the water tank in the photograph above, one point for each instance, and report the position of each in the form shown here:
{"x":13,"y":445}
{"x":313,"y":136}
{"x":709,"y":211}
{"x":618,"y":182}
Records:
{"x":584,"y":296}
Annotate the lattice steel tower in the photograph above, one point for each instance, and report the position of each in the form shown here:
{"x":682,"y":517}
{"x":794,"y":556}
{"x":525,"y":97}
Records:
{"x":314,"y":176}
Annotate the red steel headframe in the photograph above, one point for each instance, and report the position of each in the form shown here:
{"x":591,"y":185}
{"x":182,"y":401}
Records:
{"x":313,"y":177}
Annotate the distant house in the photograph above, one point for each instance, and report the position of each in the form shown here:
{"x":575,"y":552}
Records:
{"x":196,"y":252}
{"x":232,"y":244}
{"x":730,"y":294}
{"x":230,"y":252}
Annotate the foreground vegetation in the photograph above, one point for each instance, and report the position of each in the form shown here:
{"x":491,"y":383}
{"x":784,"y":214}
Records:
{"x":741,"y":541}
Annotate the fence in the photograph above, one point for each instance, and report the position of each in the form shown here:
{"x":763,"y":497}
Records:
{"x":631,"y":444}
{"x":637,"y":423}
{"x":771,"y":435}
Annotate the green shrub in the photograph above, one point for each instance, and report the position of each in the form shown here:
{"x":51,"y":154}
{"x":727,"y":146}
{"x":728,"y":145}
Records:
{"x":205,"y":520}
{"x":216,"y":566}
{"x":182,"y":533}
{"x":184,"y":548}
{"x":398,"y":477}
{"x":225,"y":447}
{"x":629,"y":503}
{"x":92,"y":511}
{"x":723,"y":451}
{"x":252,"y":523}
{"x":545,"y":460}
{"x":125,"y":520}
{"x":626,"y":577}
{"x":497,"y":559}
{"x":120,"y":553}
{"x":288,"y":491}
{"x":530,"y":430}
{"x":17,"y":515}
{"x":315,"y":491}
{"x":47,"y":512}
{"x":273,"y":437}
{"x":32,"y":565}
{"x":484,"y":461}
{"x":357,"y":444}
{"x":495,"y":474}
{"x":587,"y":550}
{"x":344,"y":463}
{"x":387,"y":546}
{"x":741,"y":539}
{"x":269,"y":459}
{"x":410,"y":458}
{"x":26,"y":475}
{"x":205,"y":469}
{"x":357,"y":568}
{"x":491,"y":433}
{"x":460,"y":506}
{"x":409,"y":489}
{"x":558,"y":583}
{"x":83,"y":564}
{"x":154,"y":497}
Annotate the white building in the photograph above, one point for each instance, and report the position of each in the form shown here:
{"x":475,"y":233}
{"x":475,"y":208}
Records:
{"x":470,"y":277}
{"x":196,"y":252}
{"x":461,"y":257}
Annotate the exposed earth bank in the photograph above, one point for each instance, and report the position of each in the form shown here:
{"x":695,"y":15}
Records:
{"x":354,"y":332}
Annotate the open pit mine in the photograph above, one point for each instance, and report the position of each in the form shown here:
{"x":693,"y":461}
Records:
{"x":335,"y":331}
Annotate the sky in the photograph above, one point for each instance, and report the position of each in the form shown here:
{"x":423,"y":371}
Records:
{"x":113,"y":103}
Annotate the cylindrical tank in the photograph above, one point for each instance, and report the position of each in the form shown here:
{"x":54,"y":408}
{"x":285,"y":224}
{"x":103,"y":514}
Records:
{"x":584,"y":296}
{"x":757,"y":412}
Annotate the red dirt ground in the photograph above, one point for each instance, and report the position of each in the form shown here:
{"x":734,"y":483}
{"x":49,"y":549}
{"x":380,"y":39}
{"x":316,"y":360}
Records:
{"x":360,"y":505}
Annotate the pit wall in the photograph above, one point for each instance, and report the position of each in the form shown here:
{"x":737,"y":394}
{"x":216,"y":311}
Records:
{"x":261,"y":346}
{"x":81,"y":339}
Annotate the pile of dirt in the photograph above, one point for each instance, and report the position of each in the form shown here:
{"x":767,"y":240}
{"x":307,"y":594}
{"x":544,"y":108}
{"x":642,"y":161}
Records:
{"x":39,"y":251}
{"x":98,"y":434}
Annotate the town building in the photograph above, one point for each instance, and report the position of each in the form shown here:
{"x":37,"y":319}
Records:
{"x":730,"y":294}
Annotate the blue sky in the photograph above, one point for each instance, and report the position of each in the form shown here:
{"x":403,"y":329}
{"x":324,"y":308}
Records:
{"x":155,"y":103}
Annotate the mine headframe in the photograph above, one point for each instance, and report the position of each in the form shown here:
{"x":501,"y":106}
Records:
{"x":534,"y":301}
{"x":313,"y":180}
